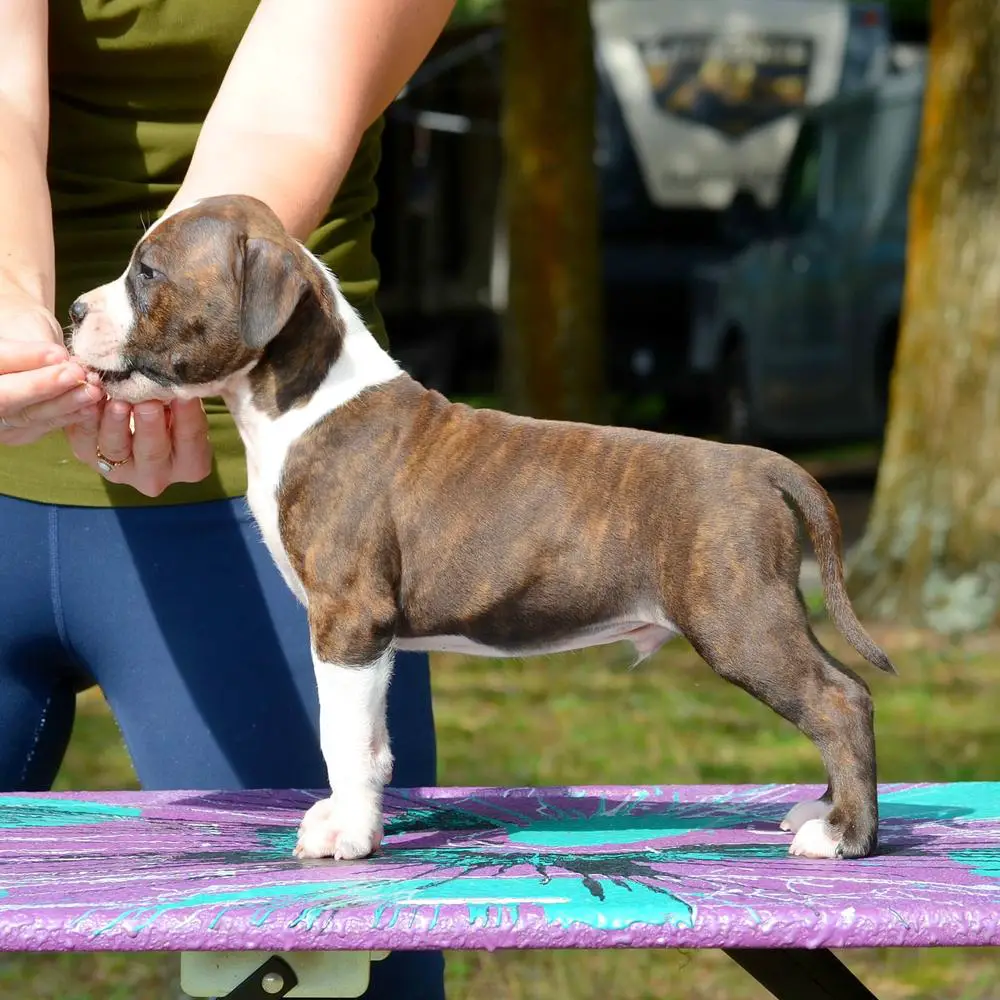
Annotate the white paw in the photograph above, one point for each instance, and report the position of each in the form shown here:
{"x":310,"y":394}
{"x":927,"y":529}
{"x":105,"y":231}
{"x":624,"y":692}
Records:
{"x":803,"y":812}
{"x":814,"y":840}
{"x":343,"y":829}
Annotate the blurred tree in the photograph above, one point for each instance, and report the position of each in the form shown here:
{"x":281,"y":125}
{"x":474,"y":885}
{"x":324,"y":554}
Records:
{"x":931,"y":554}
{"x":552,"y":363}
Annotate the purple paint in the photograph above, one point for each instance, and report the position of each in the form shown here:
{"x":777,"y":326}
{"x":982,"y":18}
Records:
{"x":693,"y":867}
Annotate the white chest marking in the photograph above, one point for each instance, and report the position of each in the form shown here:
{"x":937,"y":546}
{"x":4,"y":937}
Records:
{"x":362,"y":364}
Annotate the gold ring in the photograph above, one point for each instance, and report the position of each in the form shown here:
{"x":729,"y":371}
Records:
{"x":107,"y":465}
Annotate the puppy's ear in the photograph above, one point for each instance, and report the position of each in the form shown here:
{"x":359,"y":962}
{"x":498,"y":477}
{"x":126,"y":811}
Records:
{"x":272,"y":289}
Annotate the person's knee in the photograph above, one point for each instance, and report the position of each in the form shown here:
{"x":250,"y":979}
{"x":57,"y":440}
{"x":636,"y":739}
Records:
{"x":36,"y":722}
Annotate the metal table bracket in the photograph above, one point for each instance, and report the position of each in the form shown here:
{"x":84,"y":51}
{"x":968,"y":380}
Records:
{"x":256,"y":975}
{"x":275,"y":978}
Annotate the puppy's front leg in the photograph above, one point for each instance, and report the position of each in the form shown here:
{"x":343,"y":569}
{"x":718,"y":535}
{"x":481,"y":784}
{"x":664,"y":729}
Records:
{"x":355,"y":744}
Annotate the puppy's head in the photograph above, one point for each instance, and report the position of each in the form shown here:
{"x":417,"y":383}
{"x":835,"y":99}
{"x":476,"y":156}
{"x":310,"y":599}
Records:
{"x":205,"y":292}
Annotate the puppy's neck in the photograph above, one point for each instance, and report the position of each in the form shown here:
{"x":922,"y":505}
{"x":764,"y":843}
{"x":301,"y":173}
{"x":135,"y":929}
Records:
{"x":324,"y":359}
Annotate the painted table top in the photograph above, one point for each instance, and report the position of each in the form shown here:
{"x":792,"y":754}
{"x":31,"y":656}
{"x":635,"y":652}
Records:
{"x":494,"y":868}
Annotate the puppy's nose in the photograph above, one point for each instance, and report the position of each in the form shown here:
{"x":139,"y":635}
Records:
{"x":77,"y":311}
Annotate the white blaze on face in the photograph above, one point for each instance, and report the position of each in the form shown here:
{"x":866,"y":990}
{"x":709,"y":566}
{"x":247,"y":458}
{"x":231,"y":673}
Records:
{"x":99,"y":341}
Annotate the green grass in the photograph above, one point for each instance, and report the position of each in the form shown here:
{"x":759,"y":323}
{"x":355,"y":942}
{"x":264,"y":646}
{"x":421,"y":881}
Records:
{"x":587,"y":718}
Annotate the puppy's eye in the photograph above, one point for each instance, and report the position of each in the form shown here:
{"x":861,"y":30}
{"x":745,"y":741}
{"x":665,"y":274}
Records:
{"x":147,"y":273}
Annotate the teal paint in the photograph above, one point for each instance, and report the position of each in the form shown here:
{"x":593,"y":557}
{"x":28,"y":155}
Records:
{"x":968,"y":800}
{"x":979,"y":862}
{"x":17,"y":812}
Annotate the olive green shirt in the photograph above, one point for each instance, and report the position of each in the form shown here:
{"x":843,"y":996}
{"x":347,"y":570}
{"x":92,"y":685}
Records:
{"x":131,"y":82}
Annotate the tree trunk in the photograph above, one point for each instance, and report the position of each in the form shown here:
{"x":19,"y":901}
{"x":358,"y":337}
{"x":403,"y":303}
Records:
{"x":552,"y":359}
{"x":931,"y":553}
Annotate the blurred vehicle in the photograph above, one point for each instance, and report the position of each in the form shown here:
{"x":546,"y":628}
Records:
{"x":707,"y":92}
{"x":697,"y":100}
{"x":797,"y":333}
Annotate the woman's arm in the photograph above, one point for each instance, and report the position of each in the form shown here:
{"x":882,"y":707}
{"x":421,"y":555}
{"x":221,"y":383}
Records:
{"x":39,"y":388}
{"x":27,"y":258}
{"x":308,"y":78}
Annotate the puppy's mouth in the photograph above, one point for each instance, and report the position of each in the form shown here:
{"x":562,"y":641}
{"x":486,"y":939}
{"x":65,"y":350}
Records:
{"x":109,"y":377}
{"x":115,"y":376}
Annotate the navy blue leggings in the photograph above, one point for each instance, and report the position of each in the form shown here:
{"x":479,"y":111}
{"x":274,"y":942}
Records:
{"x":201,"y":650}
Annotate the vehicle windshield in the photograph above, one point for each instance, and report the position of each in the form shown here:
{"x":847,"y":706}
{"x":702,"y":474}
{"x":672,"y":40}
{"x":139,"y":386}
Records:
{"x":800,"y":190}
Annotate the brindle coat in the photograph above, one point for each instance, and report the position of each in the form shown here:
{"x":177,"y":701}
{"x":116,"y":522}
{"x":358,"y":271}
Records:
{"x":406,"y":516}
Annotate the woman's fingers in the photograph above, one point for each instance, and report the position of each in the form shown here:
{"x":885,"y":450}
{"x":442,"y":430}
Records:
{"x":24,"y":355}
{"x":21,"y":391}
{"x":40,"y":387}
{"x":82,"y":435}
{"x":191,"y":448}
{"x":151,"y":466}
{"x":63,"y":409}
{"x":148,"y":447}
{"x":114,"y":437}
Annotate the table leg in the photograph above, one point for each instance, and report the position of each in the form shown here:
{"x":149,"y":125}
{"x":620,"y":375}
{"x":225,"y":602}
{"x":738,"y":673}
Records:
{"x":801,"y":973}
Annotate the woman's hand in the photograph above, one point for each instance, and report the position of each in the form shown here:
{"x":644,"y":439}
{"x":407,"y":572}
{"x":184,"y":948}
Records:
{"x":40,"y":387}
{"x":168,"y":445}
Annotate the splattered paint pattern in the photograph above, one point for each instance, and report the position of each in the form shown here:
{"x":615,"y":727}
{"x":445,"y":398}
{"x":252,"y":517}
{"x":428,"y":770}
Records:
{"x":494,"y":868}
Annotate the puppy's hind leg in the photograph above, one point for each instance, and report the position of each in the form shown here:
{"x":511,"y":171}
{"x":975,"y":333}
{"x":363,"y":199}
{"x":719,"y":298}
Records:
{"x":769,"y":650}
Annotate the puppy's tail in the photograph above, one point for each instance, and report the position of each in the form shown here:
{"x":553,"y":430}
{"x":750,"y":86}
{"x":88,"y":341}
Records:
{"x":820,"y":516}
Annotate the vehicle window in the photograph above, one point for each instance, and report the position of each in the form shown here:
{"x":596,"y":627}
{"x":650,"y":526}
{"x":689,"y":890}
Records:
{"x":799,"y":201}
{"x":894,"y":136}
{"x":901,"y":203}
{"x":854,"y":151}
{"x":860,"y":56}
